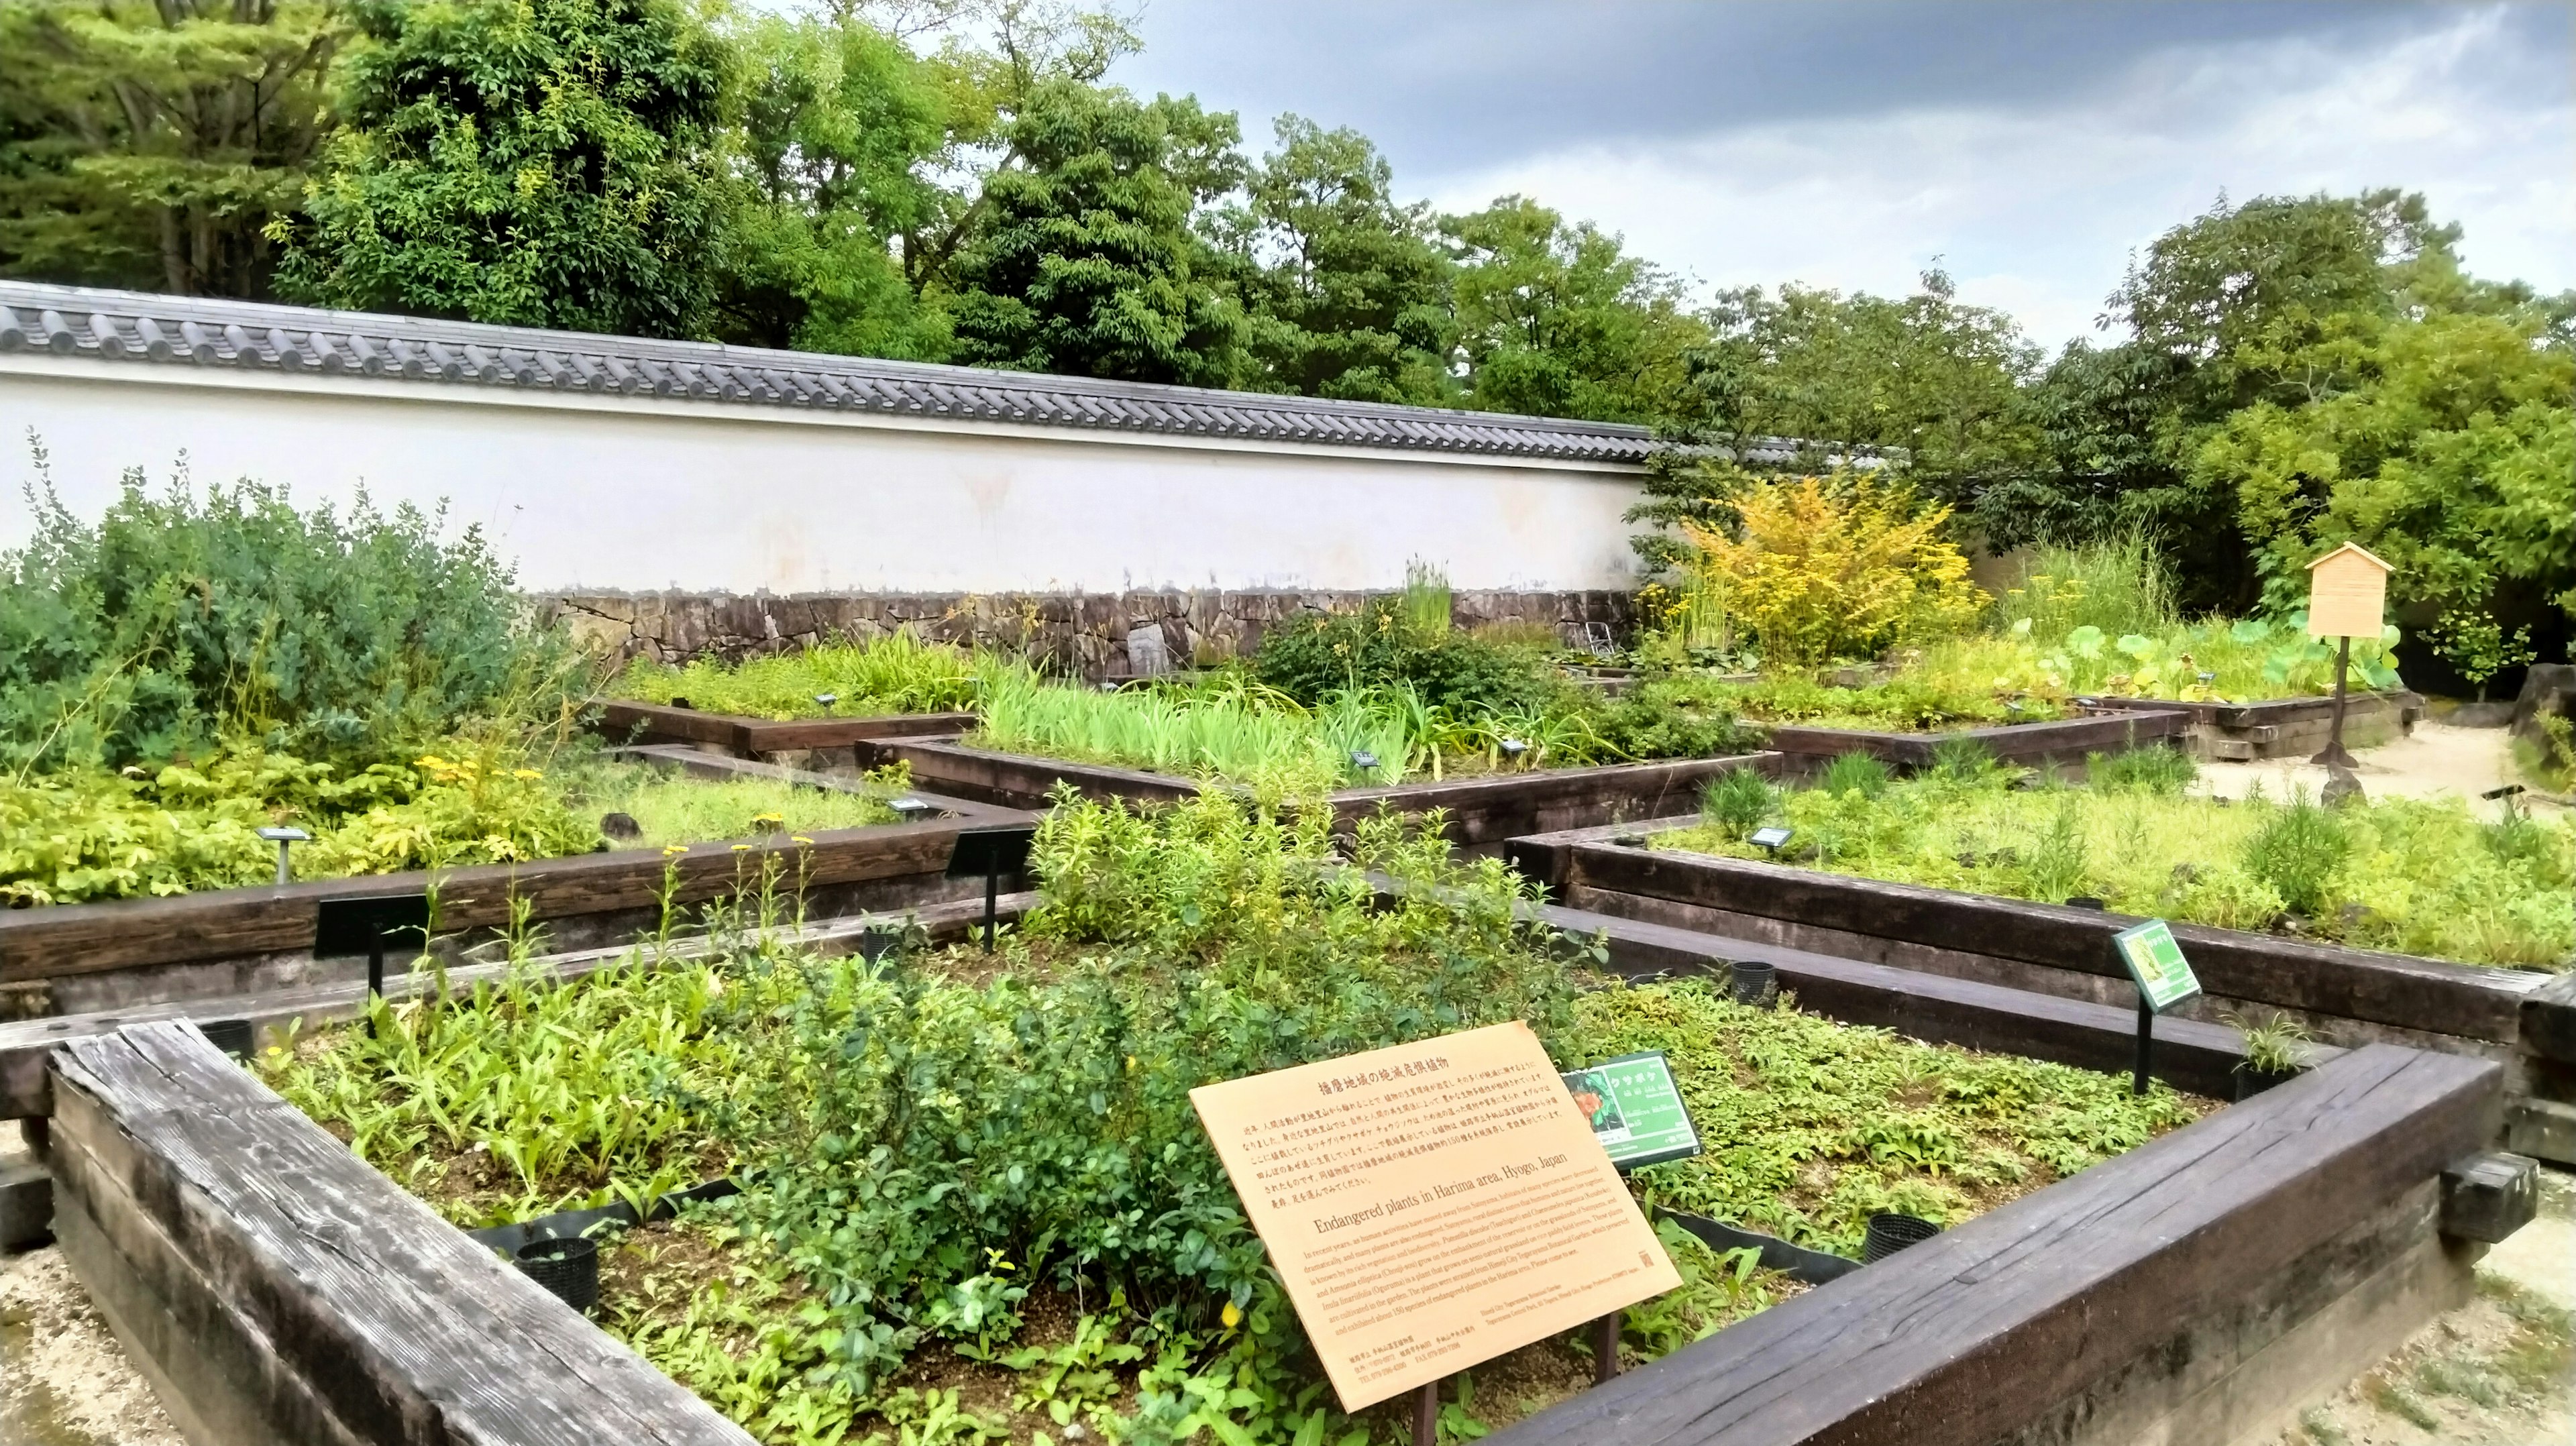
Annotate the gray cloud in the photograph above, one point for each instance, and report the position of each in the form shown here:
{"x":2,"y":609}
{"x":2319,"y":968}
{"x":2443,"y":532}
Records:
{"x":2028,"y":146}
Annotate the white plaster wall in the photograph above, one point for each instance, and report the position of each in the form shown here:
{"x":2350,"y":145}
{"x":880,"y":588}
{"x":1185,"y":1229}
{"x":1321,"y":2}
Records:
{"x":607,"y":493}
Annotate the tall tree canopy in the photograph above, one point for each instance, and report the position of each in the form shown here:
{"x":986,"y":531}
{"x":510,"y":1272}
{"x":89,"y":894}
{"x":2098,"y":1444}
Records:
{"x":1557,"y":319}
{"x":1086,"y":261}
{"x":150,"y":145}
{"x":537,"y":162}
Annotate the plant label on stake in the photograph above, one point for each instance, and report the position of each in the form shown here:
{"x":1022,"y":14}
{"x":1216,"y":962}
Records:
{"x":1432,"y":1205}
{"x":1636,"y":1110}
{"x":2163,"y":977}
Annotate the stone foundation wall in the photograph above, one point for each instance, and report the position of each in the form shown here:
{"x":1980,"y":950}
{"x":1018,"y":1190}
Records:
{"x":1093,"y":634}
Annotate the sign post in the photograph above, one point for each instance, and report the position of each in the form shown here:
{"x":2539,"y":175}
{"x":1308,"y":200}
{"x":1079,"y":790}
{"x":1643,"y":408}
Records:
{"x":2347,"y":599}
{"x":1637,"y":1114}
{"x":1431,"y":1206}
{"x":2164,"y":979}
{"x":991,"y":852}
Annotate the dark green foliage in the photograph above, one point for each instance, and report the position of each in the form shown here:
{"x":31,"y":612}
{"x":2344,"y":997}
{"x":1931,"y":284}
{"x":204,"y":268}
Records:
{"x":1555,"y":319}
{"x":536,"y":162}
{"x":1312,"y":656}
{"x":1738,"y":801}
{"x":1964,"y":760}
{"x":1675,"y":715}
{"x":1347,"y":290}
{"x":150,"y":145}
{"x":1086,"y":262}
{"x":2141,"y":770}
{"x":183,"y":616}
{"x":2297,"y":851}
{"x":1859,"y":773}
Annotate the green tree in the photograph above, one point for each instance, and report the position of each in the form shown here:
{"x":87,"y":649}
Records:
{"x":151,"y":145}
{"x":1347,"y":290}
{"x":839,"y":127}
{"x":537,"y":162}
{"x":2444,"y":442}
{"x":1085,"y":261}
{"x":1933,"y":386}
{"x":1558,"y":320}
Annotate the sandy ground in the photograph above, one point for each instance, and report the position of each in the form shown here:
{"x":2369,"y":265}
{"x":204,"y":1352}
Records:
{"x":2497,"y":1372}
{"x":64,"y":1381}
{"x":2436,"y":759}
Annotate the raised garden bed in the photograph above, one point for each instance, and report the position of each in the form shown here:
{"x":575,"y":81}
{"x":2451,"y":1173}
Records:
{"x":623,"y":721}
{"x":1480,"y":812}
{"x":2349,"y":997}
{"x":2059,"y":744}
{"x":70,"y":958}
{"x":2287,"y":1241}
{"x":2284,"y":727}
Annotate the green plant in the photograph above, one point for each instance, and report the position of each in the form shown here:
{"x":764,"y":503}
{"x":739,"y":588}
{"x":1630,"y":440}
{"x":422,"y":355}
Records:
{"x":2274,"y":1045}
{"x":2297,"y":852}
{"x":1820,"y":568}
{"x":1737,"y":801}
{"x":2141,"y":770}
{"x":893,"y":673}
{"x":1426,"y":601}
{"x":2437,"y":879}
{"x":2478,"y":647}
{"x":192,"y":617}
{"x":1855,"y":773}
{"x":2118,"y":584}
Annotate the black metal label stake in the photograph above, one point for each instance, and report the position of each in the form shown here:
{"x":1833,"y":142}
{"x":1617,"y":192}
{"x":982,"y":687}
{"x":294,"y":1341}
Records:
{"x":2164,"y":979}
{"x":363,"y":924}
{"x":991,"y":852}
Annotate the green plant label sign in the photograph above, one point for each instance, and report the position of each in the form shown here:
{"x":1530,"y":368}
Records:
{"x":2156,"y":962}
{"x":1636,"y":1110}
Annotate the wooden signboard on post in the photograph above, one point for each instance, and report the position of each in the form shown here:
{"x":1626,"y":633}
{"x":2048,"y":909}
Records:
{"x":1432,"y":1205}
{"x":2347,"y":599}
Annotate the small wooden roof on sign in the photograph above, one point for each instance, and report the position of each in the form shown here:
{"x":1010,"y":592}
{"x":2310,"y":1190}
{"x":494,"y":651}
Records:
{"x":2355,"y":548}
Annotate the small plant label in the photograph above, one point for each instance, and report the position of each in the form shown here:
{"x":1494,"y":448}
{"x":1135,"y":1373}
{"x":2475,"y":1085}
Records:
{"x":1432,"y":1206}
{"x":2155,"y":961}
{"x":1636,"y":1110}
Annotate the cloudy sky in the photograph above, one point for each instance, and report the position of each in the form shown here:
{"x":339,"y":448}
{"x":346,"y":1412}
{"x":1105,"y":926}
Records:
{"x":2028,"y":146}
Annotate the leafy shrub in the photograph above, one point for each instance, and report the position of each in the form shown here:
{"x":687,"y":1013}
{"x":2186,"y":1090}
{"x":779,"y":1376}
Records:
{"x":1846,"y":566}
{"x":1906,"y":703}
{"x":1312,"y":656}
{"x":2296,"y":851}
{"x":182,"y":618}
{"x":1666,"y":715}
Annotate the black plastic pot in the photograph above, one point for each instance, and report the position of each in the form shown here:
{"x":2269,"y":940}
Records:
{"x":232,"y":1036}
{"x":2251,"y":1081}
{"x":1889,"y":1233}
{"x":566,"y":1265}
{"x":1754,"y":982}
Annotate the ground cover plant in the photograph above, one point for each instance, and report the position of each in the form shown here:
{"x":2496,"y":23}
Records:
{"x":81,"y":835}
{"x":896,"y":672}
{"x":976,"y":1203}
{"x":2420,"y":876}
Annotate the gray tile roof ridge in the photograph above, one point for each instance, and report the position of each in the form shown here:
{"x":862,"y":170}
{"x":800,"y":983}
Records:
{"x":156,"y":327}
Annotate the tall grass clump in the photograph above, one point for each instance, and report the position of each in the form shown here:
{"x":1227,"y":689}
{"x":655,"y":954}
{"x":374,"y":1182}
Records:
{"x":1243,"y":734}
{"x":2297,"y":851}
{"x":192,"y":615}
{"x":896,"y":672}
{"x":2119,"y":584}
{"x":1738,"y":801}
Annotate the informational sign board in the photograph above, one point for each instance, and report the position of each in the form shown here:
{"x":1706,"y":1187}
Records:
{"x":2347,"y":594}
{"x":1432,"y":1206}
{"x":1636,"y":1110}
{"x":2155,"y":961}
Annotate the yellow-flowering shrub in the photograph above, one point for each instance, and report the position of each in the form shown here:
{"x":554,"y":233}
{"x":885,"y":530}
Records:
{"x":1840,"y":566}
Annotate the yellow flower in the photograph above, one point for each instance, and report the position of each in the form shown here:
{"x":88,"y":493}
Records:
{"x":800,"y":838}
{"x":769,"y":818}
{"x":670,"y":849}
{"x":1232,"y":1315}
{"x":525,"y":773}
{"x":430,"y":760}
{"x":742,"y":848}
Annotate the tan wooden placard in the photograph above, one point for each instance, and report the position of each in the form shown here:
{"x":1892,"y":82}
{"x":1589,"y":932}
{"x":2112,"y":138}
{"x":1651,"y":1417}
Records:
{"x":1432,"y":1205}
{"x":2347,"y":594}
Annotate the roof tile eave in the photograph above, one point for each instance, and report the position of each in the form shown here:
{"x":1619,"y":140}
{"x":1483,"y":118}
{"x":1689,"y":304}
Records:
{"x":202,"y":331}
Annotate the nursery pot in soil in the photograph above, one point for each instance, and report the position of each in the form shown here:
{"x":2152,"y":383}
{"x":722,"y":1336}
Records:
{"x":1755,"y":983}
{"x":1890,"y":1233}
{"x":566,"y":1265}
{"x":2251,"y":1081}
